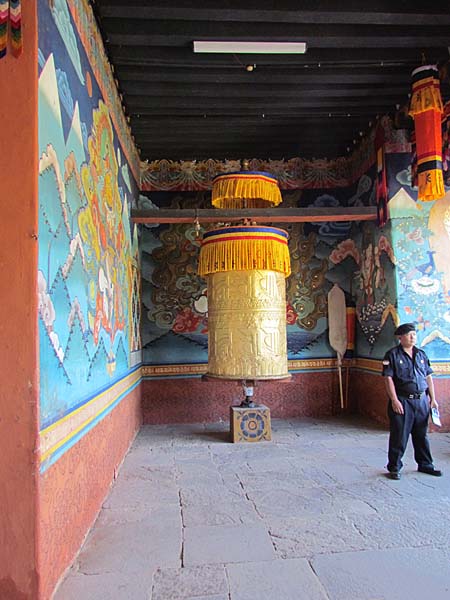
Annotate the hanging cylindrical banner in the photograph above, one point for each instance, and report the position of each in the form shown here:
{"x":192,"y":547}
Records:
{"x":381,"y":182}
{"x":426,"y":108}
{"x":245,"y":189}
{"x":245,"y":268}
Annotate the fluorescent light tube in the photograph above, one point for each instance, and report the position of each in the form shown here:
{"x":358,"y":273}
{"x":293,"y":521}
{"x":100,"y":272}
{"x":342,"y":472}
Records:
{"x":251,"y":47}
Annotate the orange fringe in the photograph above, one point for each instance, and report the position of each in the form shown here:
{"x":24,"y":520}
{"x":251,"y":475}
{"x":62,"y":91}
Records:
{"x":244,"y":255}
{"x":241,"y":190}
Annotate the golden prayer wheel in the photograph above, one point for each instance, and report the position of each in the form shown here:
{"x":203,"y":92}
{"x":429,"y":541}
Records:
{"x":245,"y":268}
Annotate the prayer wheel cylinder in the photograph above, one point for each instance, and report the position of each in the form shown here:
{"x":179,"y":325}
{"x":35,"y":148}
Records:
{"x":245,"y":269}
{"x":247,"y":325}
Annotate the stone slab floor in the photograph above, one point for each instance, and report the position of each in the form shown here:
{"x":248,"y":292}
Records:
{"x":308,"y":516}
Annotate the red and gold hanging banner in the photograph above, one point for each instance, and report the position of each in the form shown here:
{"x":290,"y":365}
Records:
{"x":426,"y":108}
{"x":10,"y":27}
{"x":381,"y":183}
{"x":446,"y":144}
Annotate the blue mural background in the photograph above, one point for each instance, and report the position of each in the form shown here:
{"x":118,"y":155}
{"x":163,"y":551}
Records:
{"x":88,"y":279}
{"x":174,"y":324}
{"x":393,"y":274}
{"x":415,"y":268}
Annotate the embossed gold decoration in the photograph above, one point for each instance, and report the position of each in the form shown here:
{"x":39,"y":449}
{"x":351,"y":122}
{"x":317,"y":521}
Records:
{"x":247,"y":325}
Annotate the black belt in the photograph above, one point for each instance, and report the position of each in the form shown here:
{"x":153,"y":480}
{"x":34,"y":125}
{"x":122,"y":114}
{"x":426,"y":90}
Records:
{"x":416,"y":396}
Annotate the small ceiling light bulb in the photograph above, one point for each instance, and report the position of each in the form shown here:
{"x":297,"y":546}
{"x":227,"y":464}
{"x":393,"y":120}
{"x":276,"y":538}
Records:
{"x":250,"y":68}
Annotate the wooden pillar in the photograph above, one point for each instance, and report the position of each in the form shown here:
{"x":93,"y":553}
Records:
{"x":19,"y":475}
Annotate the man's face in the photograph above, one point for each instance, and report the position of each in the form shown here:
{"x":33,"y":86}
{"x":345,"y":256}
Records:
{"x":407,"y":340}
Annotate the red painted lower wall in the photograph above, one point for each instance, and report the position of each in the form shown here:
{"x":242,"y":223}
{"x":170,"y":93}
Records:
{"x":72,"y":492}
{"x":73,"y":489}
{"x":369,"y":396}
{"x":368,"y":393}
{"x":197,"y":401}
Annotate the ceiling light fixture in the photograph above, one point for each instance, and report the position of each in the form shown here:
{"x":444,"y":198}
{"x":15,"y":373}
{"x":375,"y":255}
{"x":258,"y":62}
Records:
{"x":251,"y":47}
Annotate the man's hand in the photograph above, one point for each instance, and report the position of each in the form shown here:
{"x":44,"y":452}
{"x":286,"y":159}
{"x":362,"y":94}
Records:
{"x":397,"y":407}
{"x":434,"y":404}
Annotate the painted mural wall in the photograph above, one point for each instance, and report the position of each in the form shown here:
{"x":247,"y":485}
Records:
{"x":89,"y":272}
{"x":409,"y":265}
{"x":393,"y":274}
{"x":175,"y":323}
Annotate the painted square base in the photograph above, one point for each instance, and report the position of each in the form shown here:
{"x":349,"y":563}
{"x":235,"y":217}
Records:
{"x":250,"y":424}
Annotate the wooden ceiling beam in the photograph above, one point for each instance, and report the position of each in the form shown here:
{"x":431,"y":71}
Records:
{"x":268,"y":215}
{"x":383,"y":13}
{"x":263,"y":75}
{"x":137,"y":31}
{"x":258,"y":90}
{"x":170,"y":57}
{"x":164,"y":105}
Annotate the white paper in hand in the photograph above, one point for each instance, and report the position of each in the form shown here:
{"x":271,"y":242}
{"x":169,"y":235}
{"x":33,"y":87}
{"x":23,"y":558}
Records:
{"x":435,"y":417}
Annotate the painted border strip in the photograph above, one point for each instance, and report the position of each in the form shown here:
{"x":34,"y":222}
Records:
{"x":373,"y":365}
{"x":47,"y":424}
{"x":62,"y":435}
{"x":192,"y":370}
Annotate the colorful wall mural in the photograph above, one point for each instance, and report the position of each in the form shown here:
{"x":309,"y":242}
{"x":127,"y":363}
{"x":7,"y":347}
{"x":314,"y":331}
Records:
{"x":174,"y":298}
{"x":292,"y":174}
{"x":407,"y":262}
{"x":421,"y":242}
{"x":89,"y":272}
{"x":392,"y":274}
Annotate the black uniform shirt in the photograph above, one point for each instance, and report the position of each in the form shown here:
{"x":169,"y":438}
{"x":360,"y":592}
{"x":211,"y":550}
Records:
{"x":409,"y":374}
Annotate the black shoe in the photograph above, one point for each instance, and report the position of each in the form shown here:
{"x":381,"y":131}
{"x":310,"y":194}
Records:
{"x":394,"y":475}
{"x":430,"y":471}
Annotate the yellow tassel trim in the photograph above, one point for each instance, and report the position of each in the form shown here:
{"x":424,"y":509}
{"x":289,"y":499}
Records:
{"x":431,"y":185}
{"x":244,"y":255}
{"x":245,"y":190}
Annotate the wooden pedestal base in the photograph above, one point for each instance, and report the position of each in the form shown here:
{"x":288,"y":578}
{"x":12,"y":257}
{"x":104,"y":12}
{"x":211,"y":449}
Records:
{"x":250,"y":424}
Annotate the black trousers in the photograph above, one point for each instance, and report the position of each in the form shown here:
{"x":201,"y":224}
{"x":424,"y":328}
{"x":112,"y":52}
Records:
{"x":414,"y":421}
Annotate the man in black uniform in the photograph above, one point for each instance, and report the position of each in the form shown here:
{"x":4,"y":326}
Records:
{"x":409,"y":385}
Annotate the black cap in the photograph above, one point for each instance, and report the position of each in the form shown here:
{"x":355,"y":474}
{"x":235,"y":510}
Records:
{"x":404,"y":328}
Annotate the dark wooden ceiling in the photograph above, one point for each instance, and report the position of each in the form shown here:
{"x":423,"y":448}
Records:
{"x":185,"y":106}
